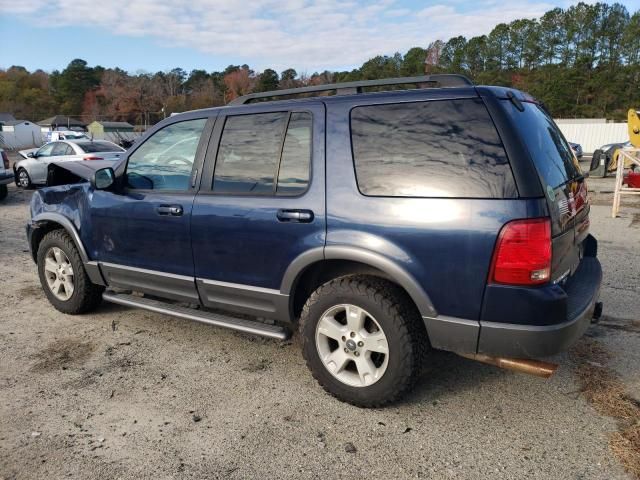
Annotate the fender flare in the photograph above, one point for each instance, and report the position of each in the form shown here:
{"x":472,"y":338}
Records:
{"x":67,"y":225}
{"x":361,"y":255}
{"x":91,"y":267}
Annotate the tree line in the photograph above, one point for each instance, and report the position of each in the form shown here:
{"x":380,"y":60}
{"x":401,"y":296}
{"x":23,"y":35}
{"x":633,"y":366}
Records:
{"x":583,"y":61}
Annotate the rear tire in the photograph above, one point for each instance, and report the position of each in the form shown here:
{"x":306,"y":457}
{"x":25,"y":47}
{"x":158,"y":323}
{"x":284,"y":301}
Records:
{"x":4,"y":191}
{"x":384,"y":358}
{"x":63,"y":277}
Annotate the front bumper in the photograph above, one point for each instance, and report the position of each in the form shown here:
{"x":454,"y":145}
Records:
{"x":531,"y":341}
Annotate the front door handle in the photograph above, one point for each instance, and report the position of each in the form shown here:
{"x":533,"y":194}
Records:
{"x":300,"y":216}
{"x":173,"y":210}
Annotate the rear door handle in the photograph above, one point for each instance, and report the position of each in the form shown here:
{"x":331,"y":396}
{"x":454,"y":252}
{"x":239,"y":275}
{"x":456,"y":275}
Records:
{"x":300,"y":216}
{"x":173,"y":210}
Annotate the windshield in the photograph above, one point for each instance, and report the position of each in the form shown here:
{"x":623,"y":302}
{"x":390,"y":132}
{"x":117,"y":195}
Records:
{"x":550,"y":151}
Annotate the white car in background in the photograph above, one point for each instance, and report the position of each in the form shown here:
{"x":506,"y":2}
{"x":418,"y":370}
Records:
{"x":33,"y":169}
{"x":6,"y":175}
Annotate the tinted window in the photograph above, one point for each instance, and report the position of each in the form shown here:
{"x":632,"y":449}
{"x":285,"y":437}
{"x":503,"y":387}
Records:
{"x":249,"y":153}
{"x":444,"y":148}
{"x":550,"y":151}
{"x":252,"y":153}
{"x":165,"y":160}
{"x":293,"y":176}
{"x":92,"y":147}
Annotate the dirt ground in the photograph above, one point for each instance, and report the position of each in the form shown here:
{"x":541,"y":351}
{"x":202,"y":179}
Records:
{"x":123,"y":393}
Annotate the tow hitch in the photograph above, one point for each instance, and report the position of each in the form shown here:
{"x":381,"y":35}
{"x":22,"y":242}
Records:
{"x":597,"y":312}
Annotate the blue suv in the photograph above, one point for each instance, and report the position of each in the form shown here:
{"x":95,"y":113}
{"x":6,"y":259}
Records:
{"x":381,"y":221}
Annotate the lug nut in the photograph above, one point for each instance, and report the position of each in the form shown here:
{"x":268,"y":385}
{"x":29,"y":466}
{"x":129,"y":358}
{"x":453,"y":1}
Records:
{"x":346,"y":350}
{"x":361,"y":343}
{"x":356,"y":353}
{"x":352,"y":334}
{"x":344,"y":339}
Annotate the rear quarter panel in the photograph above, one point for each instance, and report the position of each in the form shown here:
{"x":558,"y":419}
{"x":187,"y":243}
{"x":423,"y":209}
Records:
{"x":446,"y":244}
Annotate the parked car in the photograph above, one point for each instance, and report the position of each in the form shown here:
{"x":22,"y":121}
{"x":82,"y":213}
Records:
{"x":577,"y":149}
{"x":33,"y":169}
{"x":56,"y":135}
{"x":380,"y":224}
{"x":6,"y":175}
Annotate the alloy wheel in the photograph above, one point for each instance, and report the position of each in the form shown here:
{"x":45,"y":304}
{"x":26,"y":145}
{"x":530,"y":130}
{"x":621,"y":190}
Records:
{"x":352,"y":346}
{"x":23,"y":178}
{"x":59,"y":273}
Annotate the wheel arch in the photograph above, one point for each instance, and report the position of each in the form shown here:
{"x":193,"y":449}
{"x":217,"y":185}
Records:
{"x":318,"y":266}
{"x":46,"y":222}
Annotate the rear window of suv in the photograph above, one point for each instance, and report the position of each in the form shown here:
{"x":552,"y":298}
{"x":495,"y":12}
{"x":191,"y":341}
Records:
{"x":439,"y":148}
{"x":547,"y":146}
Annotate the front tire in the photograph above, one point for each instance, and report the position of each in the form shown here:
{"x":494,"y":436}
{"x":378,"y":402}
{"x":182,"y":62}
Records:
{"x":4,"y":191}
{"x":63,"y":277}
{"x":363,"y":340}
{"x":23,"y":180}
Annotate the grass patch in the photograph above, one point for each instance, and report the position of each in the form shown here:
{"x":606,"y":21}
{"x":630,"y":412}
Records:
{"x":606,"y":393}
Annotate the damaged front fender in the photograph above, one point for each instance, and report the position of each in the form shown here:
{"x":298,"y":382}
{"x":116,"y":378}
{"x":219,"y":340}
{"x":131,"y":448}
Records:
{"x":64,"y":173}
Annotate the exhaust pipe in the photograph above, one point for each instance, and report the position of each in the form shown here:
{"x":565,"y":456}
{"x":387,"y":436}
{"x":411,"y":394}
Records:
{"x":532,"y":367}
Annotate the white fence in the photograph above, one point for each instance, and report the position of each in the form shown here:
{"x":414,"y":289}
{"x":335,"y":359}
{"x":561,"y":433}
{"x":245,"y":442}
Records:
{"x":593,"y":135}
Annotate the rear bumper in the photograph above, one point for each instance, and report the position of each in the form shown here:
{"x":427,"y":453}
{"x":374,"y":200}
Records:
{"x":530,"y":341}
{"x":6,"y":177}
{"x":540,"y":334}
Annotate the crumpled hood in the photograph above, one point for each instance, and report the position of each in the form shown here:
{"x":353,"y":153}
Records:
{"x":25,"y":153}
{"x":61,"y":173}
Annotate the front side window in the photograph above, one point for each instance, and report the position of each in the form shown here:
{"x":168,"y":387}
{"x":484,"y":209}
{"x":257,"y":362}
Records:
{"x":165,"y":160}
{"x":264,"y":154}
{"x":439,"y":148}
{"x":46,"y":150}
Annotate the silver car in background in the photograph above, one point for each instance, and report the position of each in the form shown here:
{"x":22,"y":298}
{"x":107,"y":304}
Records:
{"x":34,"y":168}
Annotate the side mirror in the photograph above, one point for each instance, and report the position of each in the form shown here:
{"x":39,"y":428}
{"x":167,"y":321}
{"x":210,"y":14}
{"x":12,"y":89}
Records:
{"x":103,"y":178}
{"x":32,"y":155}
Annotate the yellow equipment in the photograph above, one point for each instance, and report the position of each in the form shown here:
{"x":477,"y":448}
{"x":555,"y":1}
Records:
{"x":634,"y":127}
{"x":633,"y":124}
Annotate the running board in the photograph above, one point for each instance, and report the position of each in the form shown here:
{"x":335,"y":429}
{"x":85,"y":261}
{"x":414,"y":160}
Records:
{"x":210,"y":318}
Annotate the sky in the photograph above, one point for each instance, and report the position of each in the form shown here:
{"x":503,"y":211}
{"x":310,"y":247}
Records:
{"x":308,"y":35}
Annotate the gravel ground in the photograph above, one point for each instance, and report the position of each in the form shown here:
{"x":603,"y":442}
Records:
{"x":124,"y":393}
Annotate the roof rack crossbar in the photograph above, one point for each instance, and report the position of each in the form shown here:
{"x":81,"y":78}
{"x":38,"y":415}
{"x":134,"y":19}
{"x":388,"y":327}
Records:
{"x":350,"y":88}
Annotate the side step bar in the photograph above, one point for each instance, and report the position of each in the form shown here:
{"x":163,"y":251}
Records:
{"x":210,"y":318}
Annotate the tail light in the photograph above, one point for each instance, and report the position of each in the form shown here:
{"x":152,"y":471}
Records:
{"x":5,"y":160}
{"x":523,"y":253}
{"x":91,"y":157}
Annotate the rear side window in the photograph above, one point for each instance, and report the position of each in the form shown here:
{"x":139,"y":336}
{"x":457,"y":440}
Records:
{"x":264,"y":154}
{"x":547,"y":146}
{"x":60,"y":149}
{"x":293,"y":176}
{"x":440,"y":148}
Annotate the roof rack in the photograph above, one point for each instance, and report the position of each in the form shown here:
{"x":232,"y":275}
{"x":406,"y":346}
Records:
{"x":351,"y":88}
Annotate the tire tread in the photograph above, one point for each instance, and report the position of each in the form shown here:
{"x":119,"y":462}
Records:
{"x":90,"y":295}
